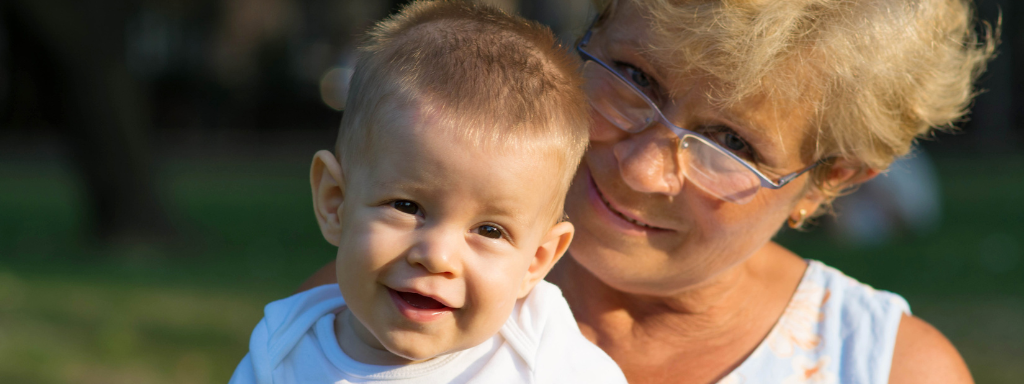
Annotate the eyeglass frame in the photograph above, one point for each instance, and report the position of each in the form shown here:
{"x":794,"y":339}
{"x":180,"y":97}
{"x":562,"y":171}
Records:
{"x":682,"y":133}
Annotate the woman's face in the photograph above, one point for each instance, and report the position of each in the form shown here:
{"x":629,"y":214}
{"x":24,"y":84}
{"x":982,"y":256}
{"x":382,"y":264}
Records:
{"x":641,"y":228}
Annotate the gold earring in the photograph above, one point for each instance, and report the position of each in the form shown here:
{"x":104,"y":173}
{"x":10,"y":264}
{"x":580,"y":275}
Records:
{"x":797,"y":223}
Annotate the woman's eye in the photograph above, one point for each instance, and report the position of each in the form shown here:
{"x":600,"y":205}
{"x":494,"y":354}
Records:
{"x":637,"y":76}
{"x":733,"y":142}
{"x":489,"y":231}
{"x":406,"y":206}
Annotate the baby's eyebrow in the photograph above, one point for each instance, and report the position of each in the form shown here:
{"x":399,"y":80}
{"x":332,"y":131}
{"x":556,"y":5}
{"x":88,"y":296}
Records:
{"x":512,"y":212}
{"x":401,"y":185}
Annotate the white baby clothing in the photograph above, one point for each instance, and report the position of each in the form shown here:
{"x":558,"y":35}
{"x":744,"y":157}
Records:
{"x":539,"y":343}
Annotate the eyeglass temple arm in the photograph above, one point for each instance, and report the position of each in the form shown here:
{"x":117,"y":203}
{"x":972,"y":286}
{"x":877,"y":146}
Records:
{"x":586,"y":36}
{"x":787,"y":178}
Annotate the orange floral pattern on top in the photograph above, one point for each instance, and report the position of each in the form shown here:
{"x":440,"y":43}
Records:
{"x":807,"y":371}
{"x":834,"y":329}
{"x":798,"y":326}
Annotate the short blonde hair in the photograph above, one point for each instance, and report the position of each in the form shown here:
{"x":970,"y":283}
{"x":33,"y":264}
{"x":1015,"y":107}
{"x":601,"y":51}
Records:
{"x":486,"y":75}
{"x":878,"y":73}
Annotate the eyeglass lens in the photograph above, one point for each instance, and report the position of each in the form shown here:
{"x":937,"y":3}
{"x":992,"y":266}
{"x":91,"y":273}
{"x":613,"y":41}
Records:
{"x":616,"y":101}
{"x":699,"y":162}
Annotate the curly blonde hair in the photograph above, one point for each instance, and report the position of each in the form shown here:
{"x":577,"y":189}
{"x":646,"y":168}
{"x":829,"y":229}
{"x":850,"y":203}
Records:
{"x":878,"y":73}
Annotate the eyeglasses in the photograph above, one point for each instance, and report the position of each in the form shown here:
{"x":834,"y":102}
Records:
{"x":704,"y":162}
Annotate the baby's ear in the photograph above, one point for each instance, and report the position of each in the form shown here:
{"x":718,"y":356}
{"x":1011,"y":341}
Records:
{"x":328,"y":184}
{"x":552,"y":246}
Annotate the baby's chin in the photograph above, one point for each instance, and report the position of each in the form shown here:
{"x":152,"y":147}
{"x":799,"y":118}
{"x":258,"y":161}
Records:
{"x":421,"y":348}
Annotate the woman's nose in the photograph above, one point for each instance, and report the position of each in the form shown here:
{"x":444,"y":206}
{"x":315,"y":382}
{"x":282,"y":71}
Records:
{"x":438,"y":253}
{"x":647,"y":161}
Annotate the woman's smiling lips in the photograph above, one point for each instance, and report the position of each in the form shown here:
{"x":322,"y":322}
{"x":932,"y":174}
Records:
{"x":617,"y":218}
{"x":418,"y":307}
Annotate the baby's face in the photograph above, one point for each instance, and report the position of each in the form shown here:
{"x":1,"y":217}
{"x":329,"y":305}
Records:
{"x":437,"y":238}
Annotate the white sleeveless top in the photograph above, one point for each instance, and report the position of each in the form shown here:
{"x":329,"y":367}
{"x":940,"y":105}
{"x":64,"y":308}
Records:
{"x":834,"y":330}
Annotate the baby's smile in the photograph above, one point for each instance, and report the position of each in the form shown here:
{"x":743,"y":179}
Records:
{"x":418,"y":307}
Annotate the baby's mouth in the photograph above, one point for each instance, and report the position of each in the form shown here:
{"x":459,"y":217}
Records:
{"x":419,"y":308}
{"x":419,"y":301}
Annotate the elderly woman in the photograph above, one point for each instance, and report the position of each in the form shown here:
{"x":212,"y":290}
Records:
{"x":717,"y":122}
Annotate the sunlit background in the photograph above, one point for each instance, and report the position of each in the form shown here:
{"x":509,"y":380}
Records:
{"x":154,"y":195}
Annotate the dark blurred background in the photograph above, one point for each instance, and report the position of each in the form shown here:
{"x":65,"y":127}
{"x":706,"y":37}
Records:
{"x":154,"y":192}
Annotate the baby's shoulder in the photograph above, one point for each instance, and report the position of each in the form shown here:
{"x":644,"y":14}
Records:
{"x":307,"y":305}
{"x":285,"y":323}
{"x":544,"y":333}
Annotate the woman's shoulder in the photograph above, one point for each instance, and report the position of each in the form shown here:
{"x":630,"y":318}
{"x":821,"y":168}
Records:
{"x":923,"y":355}
{"x":915,"y":351}
{"x":848,"y":297}
{"x":835,"y":329}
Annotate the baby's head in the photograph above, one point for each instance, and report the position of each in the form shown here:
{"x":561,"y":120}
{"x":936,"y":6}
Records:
{"x":463,"y":129}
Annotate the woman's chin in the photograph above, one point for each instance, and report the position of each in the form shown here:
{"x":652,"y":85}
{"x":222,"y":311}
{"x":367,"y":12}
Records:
{"x":636,"y":273}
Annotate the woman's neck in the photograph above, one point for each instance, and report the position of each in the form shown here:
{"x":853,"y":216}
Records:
{"x":693,"y":313}
{"x":711,"y":328}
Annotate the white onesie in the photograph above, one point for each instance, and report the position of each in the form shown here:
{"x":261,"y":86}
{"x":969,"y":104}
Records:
{"x":539,"y":343}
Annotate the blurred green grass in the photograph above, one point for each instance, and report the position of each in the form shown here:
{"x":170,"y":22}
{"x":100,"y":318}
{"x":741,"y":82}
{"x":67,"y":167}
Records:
{"x":72,"y":311}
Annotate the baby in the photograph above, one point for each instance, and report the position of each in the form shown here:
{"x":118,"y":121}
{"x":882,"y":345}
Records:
{"x":444,"y":197}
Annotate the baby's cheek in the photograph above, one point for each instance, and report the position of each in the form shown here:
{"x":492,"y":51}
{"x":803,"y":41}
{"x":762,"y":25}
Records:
{"x":492,"y":304}
{"x":376,"y":245}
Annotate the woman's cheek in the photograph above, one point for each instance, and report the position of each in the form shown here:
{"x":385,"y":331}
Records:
{"x":603,"y":131}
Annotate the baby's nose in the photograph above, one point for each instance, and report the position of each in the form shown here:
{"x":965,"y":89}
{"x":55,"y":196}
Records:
{"x":438,"y":253}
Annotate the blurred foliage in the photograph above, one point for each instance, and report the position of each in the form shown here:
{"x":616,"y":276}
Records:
{"x":73,"y":311}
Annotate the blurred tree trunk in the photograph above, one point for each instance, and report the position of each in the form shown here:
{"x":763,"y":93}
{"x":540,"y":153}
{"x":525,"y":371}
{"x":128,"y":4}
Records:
{"x":100,"y":108}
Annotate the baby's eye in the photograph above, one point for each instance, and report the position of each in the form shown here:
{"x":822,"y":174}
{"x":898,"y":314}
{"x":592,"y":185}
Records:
{"x":489,"y":231}
{"x":406,"y":206}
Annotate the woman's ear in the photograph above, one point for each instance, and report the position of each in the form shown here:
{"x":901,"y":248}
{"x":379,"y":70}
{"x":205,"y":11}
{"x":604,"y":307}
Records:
{"x":842,"y":174}
{"x":552,"y":248}
{"x":328,"y":185}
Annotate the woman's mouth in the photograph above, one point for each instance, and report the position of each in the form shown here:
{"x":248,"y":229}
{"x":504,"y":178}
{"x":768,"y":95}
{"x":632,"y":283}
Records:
{"x":618,"y":214}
